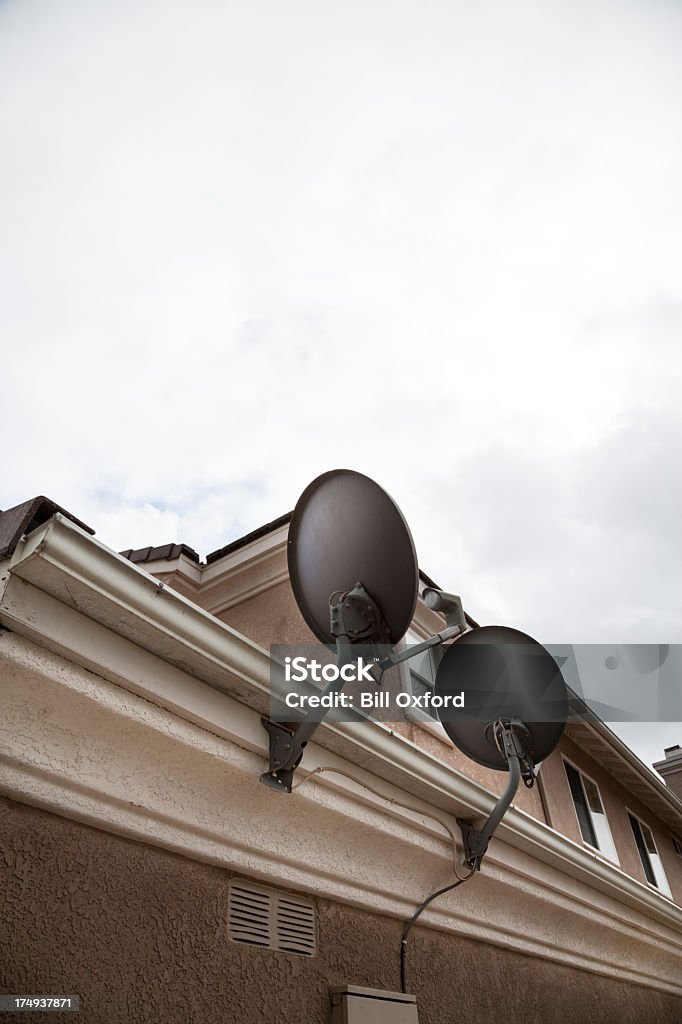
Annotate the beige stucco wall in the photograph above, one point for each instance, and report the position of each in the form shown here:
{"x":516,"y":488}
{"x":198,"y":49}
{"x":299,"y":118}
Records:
{"x":140,"y":934}
{"x":271,"y":617}
{"x":124,"y":710}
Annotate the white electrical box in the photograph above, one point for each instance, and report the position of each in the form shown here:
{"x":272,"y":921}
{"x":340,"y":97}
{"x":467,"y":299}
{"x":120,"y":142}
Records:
{"x":352,"y":1004}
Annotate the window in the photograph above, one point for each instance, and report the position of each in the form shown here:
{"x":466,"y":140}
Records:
{"x":677,"y":845}
{"x":589,"y":810}
{"x":422,"y":669}
{"x":419,"y":677}
{"x":649,"y":856}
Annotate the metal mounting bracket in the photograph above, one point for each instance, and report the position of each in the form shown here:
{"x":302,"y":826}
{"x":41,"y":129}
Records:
{"x":281,"y":745}
{"x":512,"y":736}
{"x":354,"y":618}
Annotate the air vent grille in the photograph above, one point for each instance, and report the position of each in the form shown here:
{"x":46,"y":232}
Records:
{"x":271,"y":919}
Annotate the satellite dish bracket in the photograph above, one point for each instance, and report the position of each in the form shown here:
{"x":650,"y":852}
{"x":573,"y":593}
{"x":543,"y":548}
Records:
{"x":286,"y":745}
{"x":397,"y":657}
{"x":354,"y":618}
{"x":511,"y":736}
{"x":282,"y":748}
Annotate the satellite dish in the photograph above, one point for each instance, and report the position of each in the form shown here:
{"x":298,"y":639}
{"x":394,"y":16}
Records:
{"x":505,"y":675}
{"x":346,"y":530}
{"x":354,"y":575}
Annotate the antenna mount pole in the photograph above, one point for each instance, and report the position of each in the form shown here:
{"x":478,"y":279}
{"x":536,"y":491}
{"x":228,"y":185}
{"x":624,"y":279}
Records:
{"x":511,"y":737}
{"x":354,"y":618}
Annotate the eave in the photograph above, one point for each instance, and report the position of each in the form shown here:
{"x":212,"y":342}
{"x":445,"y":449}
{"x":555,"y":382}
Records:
{"x":64,"y":569}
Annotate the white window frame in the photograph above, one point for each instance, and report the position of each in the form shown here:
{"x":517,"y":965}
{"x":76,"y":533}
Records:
{"x":602,"y":853}
{"x":667,"y":892}
{"x":427,"y":722}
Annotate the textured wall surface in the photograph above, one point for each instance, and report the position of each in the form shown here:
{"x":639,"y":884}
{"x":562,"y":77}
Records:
{"x":141,"y":935}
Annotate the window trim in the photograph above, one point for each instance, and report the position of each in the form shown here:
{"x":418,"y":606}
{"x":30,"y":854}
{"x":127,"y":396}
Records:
{"x":611,"y":860}
{"x":652,"y":885}
{"x":426,"y":721}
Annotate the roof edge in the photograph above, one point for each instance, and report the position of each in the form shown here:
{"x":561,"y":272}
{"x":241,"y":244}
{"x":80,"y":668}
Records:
{"x":23,"y":518}
{"x":248,"y":538}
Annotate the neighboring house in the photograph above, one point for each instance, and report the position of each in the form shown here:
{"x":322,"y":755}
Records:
{"x":137,"y":844}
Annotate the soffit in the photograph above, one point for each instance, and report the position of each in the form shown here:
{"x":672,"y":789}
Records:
{"x":657,"y":797}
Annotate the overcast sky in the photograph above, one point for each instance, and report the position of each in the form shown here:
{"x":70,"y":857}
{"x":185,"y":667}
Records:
{"x":436,"y":242}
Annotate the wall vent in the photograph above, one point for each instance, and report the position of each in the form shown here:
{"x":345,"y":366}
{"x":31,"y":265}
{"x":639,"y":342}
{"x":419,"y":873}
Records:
{"x":271,"y":919}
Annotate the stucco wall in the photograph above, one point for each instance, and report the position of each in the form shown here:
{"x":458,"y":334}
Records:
{"x":140,"y":934}
{"x":272,"y":617}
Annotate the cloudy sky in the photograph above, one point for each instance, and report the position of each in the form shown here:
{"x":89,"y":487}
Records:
{"x":436,"y":242}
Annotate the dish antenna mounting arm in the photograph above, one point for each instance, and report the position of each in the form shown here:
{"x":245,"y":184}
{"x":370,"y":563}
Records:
{"x":512,"y":738}
{"x":354,"y":618}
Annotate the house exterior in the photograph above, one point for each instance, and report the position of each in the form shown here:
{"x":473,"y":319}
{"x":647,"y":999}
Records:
{"x":145,"y":868}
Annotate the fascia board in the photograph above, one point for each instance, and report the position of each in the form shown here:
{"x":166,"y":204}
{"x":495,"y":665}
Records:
{"x":670,"y":761}
{"x":109,"y":589}
{"x":183,"y":566}
{"x":249,"y":555}
{"x":86,"y":576}
{"x":245,"y":573}
{"x":614,"y":742}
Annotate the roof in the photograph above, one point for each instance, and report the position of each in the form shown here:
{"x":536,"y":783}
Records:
{"x":21,"y":519}
{"x":171,"y":552}
{"x":241,"y":542}
{"x":164,"y":551}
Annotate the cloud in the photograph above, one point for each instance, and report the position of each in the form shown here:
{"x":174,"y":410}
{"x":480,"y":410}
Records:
{"x":436,"y":243}
{"x":582,"y":549}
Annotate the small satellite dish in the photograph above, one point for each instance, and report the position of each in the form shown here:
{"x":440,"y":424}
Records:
{"x":346,"y":530}
{"x":505,"y":675}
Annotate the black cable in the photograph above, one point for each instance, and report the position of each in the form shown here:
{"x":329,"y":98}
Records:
{"x":408,"y":926}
